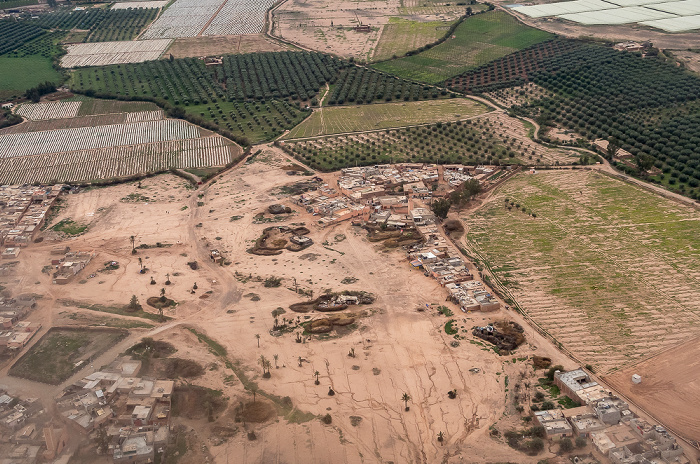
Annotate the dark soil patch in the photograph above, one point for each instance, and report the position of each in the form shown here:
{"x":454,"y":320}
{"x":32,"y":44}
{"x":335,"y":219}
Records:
{"x":160,"y":302}
{"x":194,"y":402}
{"x":176,"y":368}
{"x":506,"y":335}
{"x":152,"y":348}
{"x":256,"y":412}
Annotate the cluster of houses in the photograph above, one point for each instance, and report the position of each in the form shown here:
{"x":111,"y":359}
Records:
{"x":438,"y":259}
{"x":607,"y":421}
{"x":15,"y":332}
{"x":22,"y":213}
{"x":134,"y":411}
{"x":385,"y":193}
{"x":29,"y":434}
{"x":67,"y":267}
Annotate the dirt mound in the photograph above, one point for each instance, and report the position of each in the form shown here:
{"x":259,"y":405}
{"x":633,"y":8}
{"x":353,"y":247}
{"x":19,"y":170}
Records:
{"x":256,"y":412}
{"x":326,"y":324}
{"x":160,"y":302}
{"x":194,"y":402}
{"x":182,"y":368}
{"x":279,"y":209}
{"x":540,"y":362}
{"x":275,"y":239}
{"x":152,"y":348}
{"x":506,"y":335}
{"x":334,"y":302}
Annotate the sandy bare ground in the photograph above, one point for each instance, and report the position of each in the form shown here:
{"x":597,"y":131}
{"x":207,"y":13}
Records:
{"x":669,"y":388}
{"x":326,"y":25}
{"x":221,"y":45}
{"x":398,"y":348}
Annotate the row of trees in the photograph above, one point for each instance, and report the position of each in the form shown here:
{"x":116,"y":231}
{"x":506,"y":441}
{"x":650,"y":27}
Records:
{"x":14,"y":34}
{"x":362,"y":85}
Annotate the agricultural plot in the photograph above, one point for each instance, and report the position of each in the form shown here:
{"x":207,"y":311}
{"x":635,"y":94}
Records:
{"x":259,"y":121}
{"x":511,"y":70}
{"x":401,"y":35}
{"x":184,"y":18}
{"x":558,"y":8}
{"x":239,"y":17}
{"x":610,"y":270}
{"x":84,"y":138}
{"x":90,"y":106}
{"x":340,"y":120}
{"x":49,"y":110}
{"x":187,"y":47}
{"x":119,"y":161}
{"x":104,"y":25}
{"x":144,"y":4}
{"x":436,"y":8}
{"x":680,"y":24}
{"x":632,"y":14}
{"x":363,"y":85}
{"x":485,"y":140}
{"x":15,"y":34}
{"x":56,"y":356}
{"x":83,"y":121}
{"x":478,"y":40}
{"x":106,"y":53}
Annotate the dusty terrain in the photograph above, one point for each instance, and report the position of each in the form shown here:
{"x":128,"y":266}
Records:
{"x":669,"y":388}
{"x":327,"y":25}
{"x":368,"y":387}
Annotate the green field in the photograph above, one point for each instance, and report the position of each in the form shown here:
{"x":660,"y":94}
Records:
{"x":608,"y":269}
{"x":53,"y":359}
{"x":402,"y":35}
{"x":478,"y":40}
{"x":337,"y":120}
{"x":16,"y":3}
{"x":34,"y":71}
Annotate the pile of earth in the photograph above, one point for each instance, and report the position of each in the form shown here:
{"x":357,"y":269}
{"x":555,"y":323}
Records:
{"x":506,"y":335}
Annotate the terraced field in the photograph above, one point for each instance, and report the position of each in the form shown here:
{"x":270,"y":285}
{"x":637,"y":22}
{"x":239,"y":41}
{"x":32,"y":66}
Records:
{"x":611,"y":271}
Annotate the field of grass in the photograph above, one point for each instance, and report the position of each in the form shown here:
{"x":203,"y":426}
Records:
{"x":608,"y":269}
{"x":35,"y":70}
{"x":337,"y":120}
{"x":478,"y":40}
{"x":436,"y":7}
{"x":53,"y":359}
{"x":403,"y":35}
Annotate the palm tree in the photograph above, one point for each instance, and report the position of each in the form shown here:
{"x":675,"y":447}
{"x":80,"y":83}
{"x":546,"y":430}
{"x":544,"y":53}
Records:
{"x":133,"y":248}
{"x":254,"y":389}
{"x":406,"y":398}
{"x":317,"y":373}
{"x":441,"y":437}
{"x":258,"y":337}
{"x":162,"y":295}
{"x":265,"y":363}
{"x":141,"y":264}
{"x":276,"y":357}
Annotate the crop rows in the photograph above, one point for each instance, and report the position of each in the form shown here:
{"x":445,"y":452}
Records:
{"x":85,"y":138}
{"x":107,"y":53}
{"x":140,"y":4}
{"x":278,"y":75}
{"x":107,"y":163}
{"x":14,"y":34}
{"x":184,"y":18}
{"x":49,"y":110}
{"x":511,"y":70}
{"x":258,"y":121}
{"x":46,"y":45}
{"x":477,"y":141}
{"x":239,"y":17}
{"x":104,"y":25}
{"x":83,"y":121}
{"x":362,"y":85}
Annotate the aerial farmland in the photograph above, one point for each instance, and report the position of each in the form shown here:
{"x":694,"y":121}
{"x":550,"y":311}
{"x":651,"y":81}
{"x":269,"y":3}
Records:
{"x":313,"y":231}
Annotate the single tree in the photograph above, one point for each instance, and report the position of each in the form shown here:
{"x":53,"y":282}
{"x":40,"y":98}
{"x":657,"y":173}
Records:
{"x":257,"y":336}
{"x":194,"y":287}
{"x":141,"y":265}
{"x":133,"y":248}
{"x":441,"y":437}
{"x":253,"y":389}
{"x":613,"y":147}
{"x":565,"y":445}
{"x":134,"y":303}
{"x":644,"y":163}
{"x":167,"y":277}
{"x":300,"y":360}
{"x":316,"y":374}
{"x":153,"y":281}
{"x":441,"y":207}
{"x":406,"y":398}
{"x":276,"y":357}
{"x":162,"y":295}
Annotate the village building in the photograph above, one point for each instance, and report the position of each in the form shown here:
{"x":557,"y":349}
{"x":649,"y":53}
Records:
{"x":554,"y":423}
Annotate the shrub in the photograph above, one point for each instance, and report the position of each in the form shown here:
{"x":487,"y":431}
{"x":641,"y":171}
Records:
{"x":327,"y":419}
{"x":565,"y":445}
{"x":581,"y":442}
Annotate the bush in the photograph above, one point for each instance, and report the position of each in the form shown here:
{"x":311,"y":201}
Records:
{"x":581,"y":442}
{"x":272,"y":282}
{"x":565,"y":445}
{"x":535,"y":445}
{"x":327,"y":419}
